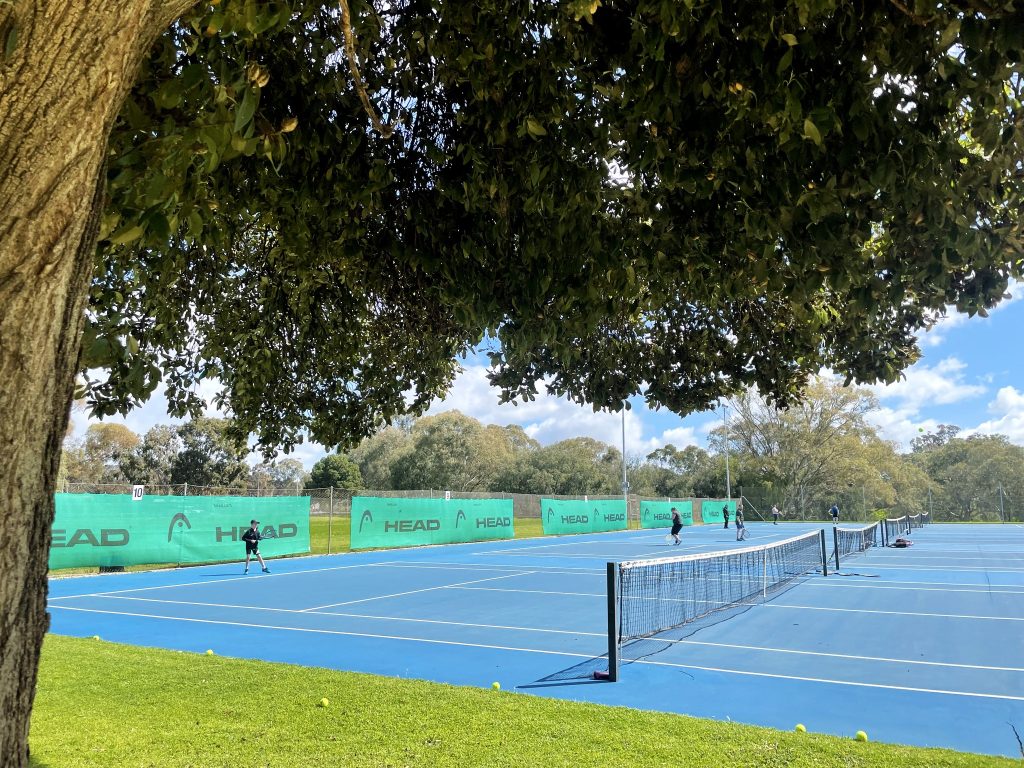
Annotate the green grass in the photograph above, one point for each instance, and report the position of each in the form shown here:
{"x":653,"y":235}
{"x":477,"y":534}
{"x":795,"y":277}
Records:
{"x":102,"y":704}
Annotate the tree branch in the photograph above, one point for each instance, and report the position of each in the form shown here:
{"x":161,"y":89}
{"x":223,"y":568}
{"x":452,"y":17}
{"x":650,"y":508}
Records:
{"x":353,"y":67}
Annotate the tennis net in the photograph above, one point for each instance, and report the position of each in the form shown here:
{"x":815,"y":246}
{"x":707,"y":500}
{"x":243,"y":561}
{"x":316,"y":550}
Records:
{"x":896,"y":526}
{"x":916,"y":521}
{"x":648,"y":597}
{"x":851,"y":541}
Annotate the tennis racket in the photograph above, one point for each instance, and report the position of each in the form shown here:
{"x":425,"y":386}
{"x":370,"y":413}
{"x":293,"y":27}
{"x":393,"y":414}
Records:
{"x":271,"y":534}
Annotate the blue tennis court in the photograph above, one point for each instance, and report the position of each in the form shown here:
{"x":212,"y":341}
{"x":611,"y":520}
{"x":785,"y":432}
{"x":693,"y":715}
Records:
{"x":920,"y":646}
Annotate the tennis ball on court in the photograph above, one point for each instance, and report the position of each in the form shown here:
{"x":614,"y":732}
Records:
{"x":496,"y":685}
{"x":801,"y":728}
{"x":209,"y":652}
{"x":325,"y":702}
{"x":861,"y":736}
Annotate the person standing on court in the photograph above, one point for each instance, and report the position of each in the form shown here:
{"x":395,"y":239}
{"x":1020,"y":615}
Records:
{"x":725,"y":515}
{"x":677,"y":526}
{"x":835,"y":514}
{"x":252,"y":537}
{"x":741,"y":529}
{"x":775,"y":514}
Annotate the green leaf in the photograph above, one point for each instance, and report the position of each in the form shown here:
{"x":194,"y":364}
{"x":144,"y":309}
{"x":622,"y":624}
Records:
{"x":811,"y":131}
{"x":790,"y":39}
{"x":785,"y":62}
{"x":535,"y":128}
{"x":246,"y":110}
{"x":127,"y":234}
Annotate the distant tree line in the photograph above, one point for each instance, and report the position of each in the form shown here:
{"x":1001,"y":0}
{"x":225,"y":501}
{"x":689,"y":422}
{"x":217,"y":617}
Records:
{"x":804,"y":458}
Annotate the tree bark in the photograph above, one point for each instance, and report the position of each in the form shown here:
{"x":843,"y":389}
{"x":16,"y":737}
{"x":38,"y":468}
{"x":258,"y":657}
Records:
{"x":61,"y":87}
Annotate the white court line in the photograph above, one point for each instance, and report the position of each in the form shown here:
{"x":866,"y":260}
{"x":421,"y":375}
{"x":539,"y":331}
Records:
{"x":414,"y":591}
{"x":892,"y":613}
{"x":648,"y":662}
{"x":956,"y":559}
{"x":495,"y":567}
{"x":766,"y":604}
{"x":838,"y":582}
{"x":844,"y":656}
{"x":869,"y":563}
{"x":539,"y":570}
{"x":218,"y":581}
{"x":639,"y":540}
{"x":357,"y":616}
{"x":933,"y":588}
{"x":575,"y":633}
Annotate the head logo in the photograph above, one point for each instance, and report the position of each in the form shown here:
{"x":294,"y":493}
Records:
{"x":551,"y":514}
{"x":459,"y":518}
{"x":366,"y":517}
{"x":182,"y":522}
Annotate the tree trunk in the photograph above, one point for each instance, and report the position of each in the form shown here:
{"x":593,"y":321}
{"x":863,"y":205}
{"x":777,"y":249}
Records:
{"x":61,"y":86}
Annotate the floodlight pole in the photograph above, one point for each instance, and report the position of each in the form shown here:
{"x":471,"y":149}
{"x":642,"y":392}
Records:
{"x":728,"y":485}
{"x":625,"y":481}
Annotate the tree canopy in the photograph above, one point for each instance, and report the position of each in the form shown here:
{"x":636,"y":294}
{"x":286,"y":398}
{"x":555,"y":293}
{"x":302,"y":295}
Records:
{"x":675,"y":199}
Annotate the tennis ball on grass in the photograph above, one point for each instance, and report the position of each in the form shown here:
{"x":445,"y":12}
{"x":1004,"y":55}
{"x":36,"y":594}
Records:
{"x":95,"y":637}
{"x":209,"y":652}
{"x":325,"y":702}
{"x":496,"y":685}
{"x":861,"y":736}
{"x":800,"y":728}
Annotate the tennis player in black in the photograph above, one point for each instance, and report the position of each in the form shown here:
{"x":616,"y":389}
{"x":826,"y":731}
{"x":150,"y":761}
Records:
{"x":725,"y":515}
{"x":252,"y":537}
{"x":677,"y":525}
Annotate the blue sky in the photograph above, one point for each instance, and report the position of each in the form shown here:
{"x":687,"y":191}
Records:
{"x":971,"y":374}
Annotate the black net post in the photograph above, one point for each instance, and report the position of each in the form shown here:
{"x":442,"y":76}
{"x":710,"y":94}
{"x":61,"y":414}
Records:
{"x":613,"y":623}
{"x":835,"y":540}
{"x":824,"y":554}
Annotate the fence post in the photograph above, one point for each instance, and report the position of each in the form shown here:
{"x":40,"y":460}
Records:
{"x":330,"y":519}
{"x":185,"y":493}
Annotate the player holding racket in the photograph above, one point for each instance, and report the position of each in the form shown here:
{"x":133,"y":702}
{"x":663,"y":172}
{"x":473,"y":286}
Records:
{"x":252,"y":537}
{"x":677,"y":526}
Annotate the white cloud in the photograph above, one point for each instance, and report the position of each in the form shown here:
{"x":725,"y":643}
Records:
{"x":900,"y":425}
{"x":1008,"y":416}
{"x":941,"y":384}
{"x":680,"y":437}
{"x":923,"y":386}
{"x":547,"y":419}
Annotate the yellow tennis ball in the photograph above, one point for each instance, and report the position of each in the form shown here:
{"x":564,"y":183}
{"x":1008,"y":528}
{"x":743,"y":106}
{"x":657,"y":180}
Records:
{"x":324,"y":702}
{"x":95,"y":637}
{"x":496,"y":685}
{"x":861,"y":736}
{"x":209,"y":652}
{"x":801,"y":728}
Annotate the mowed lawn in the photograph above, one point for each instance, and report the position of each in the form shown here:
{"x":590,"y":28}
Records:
{"x":103,"y":704}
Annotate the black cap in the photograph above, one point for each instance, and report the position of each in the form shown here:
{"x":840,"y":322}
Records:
{"x":251,"y":522}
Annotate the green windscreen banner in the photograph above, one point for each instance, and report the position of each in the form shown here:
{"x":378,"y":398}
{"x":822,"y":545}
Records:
{"x":562,"y":516}
{"x":711,"y":510}
{"x":110,"y":530}
{"x":400,"y":522}
{"x":658,"y":514}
